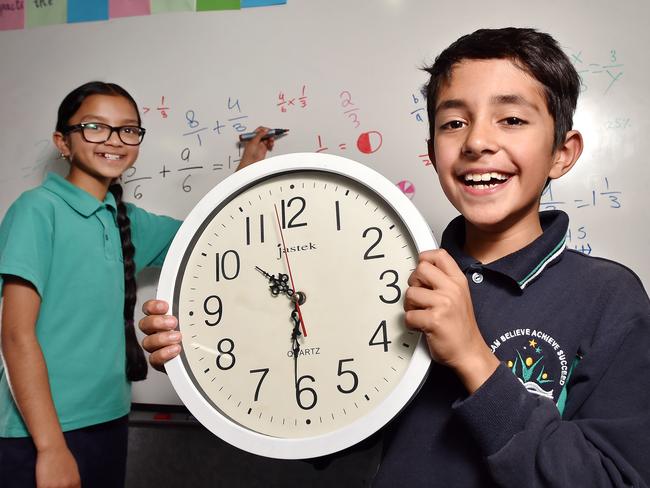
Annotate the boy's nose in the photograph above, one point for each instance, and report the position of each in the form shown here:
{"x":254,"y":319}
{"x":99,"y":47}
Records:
{"x":481,"y":139}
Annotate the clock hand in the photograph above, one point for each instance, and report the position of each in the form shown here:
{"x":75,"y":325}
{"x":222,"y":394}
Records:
{"x":279,"y":284}
{"x":295,"y":346}
{"x":286,"y":256}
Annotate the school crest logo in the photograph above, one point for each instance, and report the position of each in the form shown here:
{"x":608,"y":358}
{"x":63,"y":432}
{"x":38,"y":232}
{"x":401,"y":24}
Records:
{"x":534,"y":357}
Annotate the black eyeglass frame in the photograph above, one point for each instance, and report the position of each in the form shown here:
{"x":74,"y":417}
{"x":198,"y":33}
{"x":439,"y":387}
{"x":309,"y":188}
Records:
{"x":81,"y":127}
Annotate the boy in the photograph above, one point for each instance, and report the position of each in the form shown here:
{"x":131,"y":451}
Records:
{"x":529,"y":388}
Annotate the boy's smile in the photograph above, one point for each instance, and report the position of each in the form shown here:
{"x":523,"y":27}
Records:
{"x":493,"y":147}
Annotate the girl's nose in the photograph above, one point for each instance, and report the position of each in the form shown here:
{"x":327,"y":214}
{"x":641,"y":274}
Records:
{"x":114,"y":139}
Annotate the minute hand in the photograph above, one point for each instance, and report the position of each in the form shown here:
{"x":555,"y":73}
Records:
{"x":293,"y":285}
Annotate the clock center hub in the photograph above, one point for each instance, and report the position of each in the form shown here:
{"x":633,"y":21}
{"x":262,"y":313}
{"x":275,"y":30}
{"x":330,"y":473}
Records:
{"x":299,"y":297}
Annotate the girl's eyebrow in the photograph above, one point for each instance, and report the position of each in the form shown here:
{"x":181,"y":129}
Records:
{"x":99,"y":118}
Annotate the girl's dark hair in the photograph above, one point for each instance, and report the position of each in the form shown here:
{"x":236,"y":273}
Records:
{"x":537,"y":53}
{"x":136,"y":364}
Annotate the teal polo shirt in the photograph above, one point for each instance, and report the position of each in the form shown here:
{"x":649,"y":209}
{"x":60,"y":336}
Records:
{"x":67,"y":244}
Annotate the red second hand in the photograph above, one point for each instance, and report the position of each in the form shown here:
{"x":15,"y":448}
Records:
{"x":286,"y":256}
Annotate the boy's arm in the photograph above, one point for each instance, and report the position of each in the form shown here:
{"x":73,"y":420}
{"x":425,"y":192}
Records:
{"x":603,"y":438}
{"x":30,"y":386}
{"x":438,"y":303}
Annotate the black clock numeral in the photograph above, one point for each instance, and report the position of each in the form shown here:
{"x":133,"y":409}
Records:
{"x":309,"y":391}
{"x":338,"y":215}
{"x":264,"y":372}
{"x":393,"y":285}
{"x":226,"y":351}
{"x":285,"y":206}
{"x":248,"y":230}
{"x":355,"y":378}
{"x":384,"y":336}
{"x":208,"y":303}
{"x":227,"y":265}
{"x":367,"y":254}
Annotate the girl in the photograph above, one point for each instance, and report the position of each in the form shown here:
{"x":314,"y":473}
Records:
{"x":69,"y":252}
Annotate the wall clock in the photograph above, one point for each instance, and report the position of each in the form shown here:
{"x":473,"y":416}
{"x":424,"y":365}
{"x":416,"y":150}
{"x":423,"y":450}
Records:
{"x":288,"y":281}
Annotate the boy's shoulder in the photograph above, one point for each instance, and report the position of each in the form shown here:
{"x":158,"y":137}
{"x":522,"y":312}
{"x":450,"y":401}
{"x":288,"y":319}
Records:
{"x":599,"y":268}
{"x":604,"y":279}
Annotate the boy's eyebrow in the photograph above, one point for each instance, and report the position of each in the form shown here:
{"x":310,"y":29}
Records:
{"x":451,"y":103}
{"x":506,"y":99}
{"x":512,"y":100}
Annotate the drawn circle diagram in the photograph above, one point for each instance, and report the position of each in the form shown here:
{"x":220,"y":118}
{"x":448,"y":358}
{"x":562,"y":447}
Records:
{"x":407,"y":188}
{"x":369,"y":142}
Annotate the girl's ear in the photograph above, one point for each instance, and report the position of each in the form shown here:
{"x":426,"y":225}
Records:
{"x":567,"y":155}
{"x":61,"y":143}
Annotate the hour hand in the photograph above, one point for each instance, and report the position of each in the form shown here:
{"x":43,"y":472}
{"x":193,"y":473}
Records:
{"x":277,"y":284}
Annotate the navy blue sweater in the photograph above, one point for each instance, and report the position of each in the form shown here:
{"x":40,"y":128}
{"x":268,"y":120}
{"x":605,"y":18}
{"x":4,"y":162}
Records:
{"x":569,"y":406}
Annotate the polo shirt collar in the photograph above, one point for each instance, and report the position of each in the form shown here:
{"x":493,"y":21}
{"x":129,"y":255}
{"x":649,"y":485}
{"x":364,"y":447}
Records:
{"x":522,"y":266}
{"x":80,"y":200}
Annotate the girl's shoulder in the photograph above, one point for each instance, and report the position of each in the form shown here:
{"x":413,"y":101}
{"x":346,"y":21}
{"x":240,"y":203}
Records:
{"x":34,"y":201}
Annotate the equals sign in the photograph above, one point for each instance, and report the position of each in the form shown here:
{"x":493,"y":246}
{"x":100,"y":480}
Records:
{"x":217,"y":166}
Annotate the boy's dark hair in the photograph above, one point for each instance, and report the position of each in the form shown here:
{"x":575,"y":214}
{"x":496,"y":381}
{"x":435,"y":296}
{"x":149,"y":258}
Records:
{"x":136,"y":364}
{"x":537,"y":53}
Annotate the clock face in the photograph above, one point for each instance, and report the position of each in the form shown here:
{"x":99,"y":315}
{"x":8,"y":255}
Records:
{"x":289,"y":296}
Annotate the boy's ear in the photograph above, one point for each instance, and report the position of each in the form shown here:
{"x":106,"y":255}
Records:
{"x":432,"y":155}
{"x":61,"y":143}
{"x":567,"y":155}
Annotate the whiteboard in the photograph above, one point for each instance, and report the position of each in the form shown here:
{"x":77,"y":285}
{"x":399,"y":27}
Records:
{"x":348,"y":74}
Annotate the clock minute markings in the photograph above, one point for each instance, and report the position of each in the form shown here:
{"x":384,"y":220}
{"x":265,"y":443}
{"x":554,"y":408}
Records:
{"x":338,"y":215}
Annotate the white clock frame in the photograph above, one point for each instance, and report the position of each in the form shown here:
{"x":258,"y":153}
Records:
{"x":397,"y":399}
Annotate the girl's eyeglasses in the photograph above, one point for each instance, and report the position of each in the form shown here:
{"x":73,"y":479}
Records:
{"x":96,"y":132}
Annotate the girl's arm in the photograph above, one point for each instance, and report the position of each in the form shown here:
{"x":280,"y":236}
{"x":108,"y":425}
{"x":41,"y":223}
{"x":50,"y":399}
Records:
{"x":256,"y":149}
{"x":30,"y":386}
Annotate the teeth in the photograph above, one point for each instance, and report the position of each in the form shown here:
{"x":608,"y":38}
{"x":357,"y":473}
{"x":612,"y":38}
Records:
{"x":484,"y":187}
{"x":485,"y":176}
{"x":112,"y":157}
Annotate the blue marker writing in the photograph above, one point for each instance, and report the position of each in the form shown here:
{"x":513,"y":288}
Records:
{"x":271,"y":133}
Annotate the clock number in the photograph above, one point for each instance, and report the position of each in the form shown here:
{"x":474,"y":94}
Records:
{"x":338,"y":215}
{"x":391,"y":285}
{"x":308,"y":390}
{"x":264,"y":372}
{"x":291,"y":222}
{"x":221,"y":265}
{"x":355,"y":378}
{"x":226,"y":352}
{"x":381,"y":329}
{"x":367,"y":255}
{"x":216,"y":312}
{"x":248,"y":230}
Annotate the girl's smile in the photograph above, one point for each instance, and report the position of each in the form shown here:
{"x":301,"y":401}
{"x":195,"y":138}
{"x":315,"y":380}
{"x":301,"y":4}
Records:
{"x":93,"y":166}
